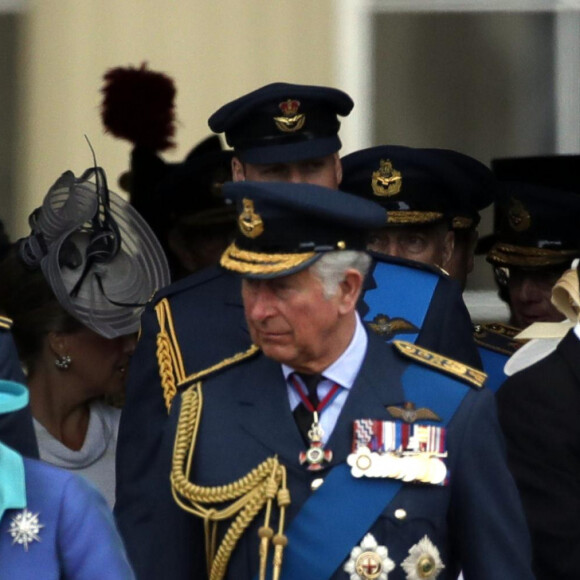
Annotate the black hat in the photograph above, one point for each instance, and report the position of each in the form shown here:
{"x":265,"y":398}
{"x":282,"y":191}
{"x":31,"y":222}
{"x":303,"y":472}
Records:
{"x":285,"y":227}
{"x":537,"y":212}
{"x":420,"y":186}
{"x":282,"y":122}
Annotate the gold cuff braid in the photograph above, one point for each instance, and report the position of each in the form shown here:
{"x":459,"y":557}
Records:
{"x":248,"y":495}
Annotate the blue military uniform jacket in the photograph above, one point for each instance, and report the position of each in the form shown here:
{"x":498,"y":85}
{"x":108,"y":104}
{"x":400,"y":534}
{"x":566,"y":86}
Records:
{"x":476,"y":521}
{"x":16,"y":429}
{"x":198,"y":325}
{"x":496,"y":344}
{"x":78,"y":538}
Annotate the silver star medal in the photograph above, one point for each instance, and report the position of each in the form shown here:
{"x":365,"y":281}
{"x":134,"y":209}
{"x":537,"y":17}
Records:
{"x":423,"y":562}
{"x":369,"y":561}
{"x":25,"y":528}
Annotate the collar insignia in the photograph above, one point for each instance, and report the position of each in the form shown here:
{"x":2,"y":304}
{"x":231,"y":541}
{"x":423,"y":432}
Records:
{"x":518,"y":216}
{"x":388,"y":327}
{"x":386,"y":181}
{"x":409,"y":413}
{"x":25,"y":528}
{"x":423,"y":561}
{"x":291,"y":121}
{"x":250,"y":222}
{"x":369,"y":561}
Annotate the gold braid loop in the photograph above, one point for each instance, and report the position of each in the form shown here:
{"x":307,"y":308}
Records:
{"x":165,"y":368}
{"x":248,"y":495}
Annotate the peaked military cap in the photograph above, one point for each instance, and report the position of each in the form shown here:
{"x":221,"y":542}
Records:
{"x":420,"y":186}
{"x":282,"y":122}
{"x":285,"y":227}
{"x":537,"y":212}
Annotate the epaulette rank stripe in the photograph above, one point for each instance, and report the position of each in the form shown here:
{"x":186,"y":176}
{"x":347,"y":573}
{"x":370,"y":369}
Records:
{"x":459,"y":370}
{"x":227,"y":362}
{"x":5,"y":322}
{"x":497,"y":337}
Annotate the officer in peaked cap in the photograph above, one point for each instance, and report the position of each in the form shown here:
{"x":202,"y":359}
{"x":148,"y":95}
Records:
{"x":285,"y":132}
{"x":537,"y":236}
{"x":432,"y":197}
{"x":270,"y":469}
{"x":281,"y":132}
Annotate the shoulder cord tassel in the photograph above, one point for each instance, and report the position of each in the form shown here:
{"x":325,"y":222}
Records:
{"x":248,"y":495}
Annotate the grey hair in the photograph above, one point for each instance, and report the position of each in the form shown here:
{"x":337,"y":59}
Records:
{"x":330,"y":269}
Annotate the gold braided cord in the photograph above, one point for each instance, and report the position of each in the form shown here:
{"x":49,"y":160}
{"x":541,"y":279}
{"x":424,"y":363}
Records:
{"x":246,"y":262}
{"x":164,"y":362}
{"x":249,"y":495}
{"x":5,"y":322}
{"x":412,"y":217}
{"x":461,"y":222}
{"x":221,"y":365}
{"x":511,"y":255}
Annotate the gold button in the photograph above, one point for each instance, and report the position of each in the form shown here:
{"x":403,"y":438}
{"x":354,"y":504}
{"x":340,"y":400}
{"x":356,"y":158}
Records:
{"x":400,"y":514}
{"x":316,"y":483}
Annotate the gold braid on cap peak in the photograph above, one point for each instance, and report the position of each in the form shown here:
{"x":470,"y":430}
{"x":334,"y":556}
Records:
{"x":247,"y":496}
{"x":246,"y":262}
{"x":412,"y":217}
{"x":510,"y":255}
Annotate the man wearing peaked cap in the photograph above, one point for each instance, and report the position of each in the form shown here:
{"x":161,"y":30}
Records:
{"x":195,"y":327}
{"x":432,"y":197}
{"x":285,"y":132}
{"x":272,"y":473}
{"x":536,"y":237}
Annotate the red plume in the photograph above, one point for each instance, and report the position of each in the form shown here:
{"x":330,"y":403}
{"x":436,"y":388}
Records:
{"x":138,"y":106}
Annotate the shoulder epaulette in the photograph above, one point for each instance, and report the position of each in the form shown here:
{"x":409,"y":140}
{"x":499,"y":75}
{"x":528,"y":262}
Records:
{"x":5,"y":323}
{"x":473,"y":377}
{"x":191,"y":281}
{"x":170,"y":359}
{"x":498,"y":337}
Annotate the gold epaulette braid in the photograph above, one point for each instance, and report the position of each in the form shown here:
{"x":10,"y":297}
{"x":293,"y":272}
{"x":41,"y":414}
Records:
{"x":165,"y":368}
{"x":248,"y":496}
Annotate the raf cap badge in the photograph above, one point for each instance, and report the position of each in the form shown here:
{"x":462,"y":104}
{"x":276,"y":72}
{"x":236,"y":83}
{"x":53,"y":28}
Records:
{"x":369,"y":561}
{"x":291,"y":120}
{"x":423,"y":561}
{"x":518,"y":216}
{"x":386,"y":181}
{"x":250,"y":222}
{"x":25,"y":528}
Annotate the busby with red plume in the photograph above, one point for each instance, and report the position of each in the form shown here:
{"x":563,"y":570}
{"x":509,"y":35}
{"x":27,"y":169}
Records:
{"x":138,"y":105}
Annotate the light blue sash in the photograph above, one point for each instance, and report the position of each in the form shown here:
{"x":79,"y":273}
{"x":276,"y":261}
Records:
{"x":401,"y":292}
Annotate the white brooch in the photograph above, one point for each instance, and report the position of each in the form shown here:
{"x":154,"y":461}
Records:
{"x":369,"y":561}
{"x":423,"y":561}
{"x":25,"y":528}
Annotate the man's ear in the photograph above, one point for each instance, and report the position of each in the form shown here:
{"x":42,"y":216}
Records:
{"x":338,"y":168}
{"x":238,"y":173}
{"x":349,"y":290}
{"x":448,"y":247}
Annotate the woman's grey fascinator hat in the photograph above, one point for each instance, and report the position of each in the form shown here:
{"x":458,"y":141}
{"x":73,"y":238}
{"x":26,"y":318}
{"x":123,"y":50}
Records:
{"x":98,"y":254}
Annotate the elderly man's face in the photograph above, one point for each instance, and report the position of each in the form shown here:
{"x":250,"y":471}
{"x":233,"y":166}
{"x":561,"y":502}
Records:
{"x":427,"y":244}
{"x":530,"y":295}
{"x":293,"y":322}
{"x":325,"y":171}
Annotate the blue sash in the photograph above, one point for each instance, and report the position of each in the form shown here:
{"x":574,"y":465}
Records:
{"x":493,"y":365}
{"x":310,"y":554}
{"x":402,"y":292}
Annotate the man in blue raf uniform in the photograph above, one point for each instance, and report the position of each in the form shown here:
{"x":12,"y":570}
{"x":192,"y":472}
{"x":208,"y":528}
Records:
{"x":284,"y":132}
{"x":330,"y":454}
{"x":535,"y":240}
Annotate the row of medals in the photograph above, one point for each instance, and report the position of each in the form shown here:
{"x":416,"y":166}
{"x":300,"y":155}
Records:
{"x":423,"y":467}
